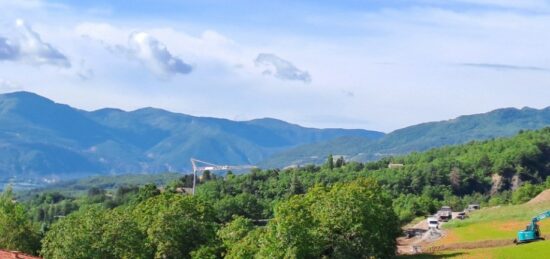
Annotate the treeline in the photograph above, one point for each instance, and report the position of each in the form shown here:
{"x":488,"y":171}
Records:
{"x":336,"y":210}
{"x":486,"y":172}
{"x":347,"y":220}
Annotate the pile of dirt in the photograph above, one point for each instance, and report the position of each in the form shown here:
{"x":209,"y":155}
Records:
{"x":470,"y":245}
{"x":542,"y":197}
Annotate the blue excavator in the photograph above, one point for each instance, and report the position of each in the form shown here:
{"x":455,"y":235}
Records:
{"x":532,"y":232}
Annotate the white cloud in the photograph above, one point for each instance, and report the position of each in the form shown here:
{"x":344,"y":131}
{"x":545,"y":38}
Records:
{"x":8,"y":49}
{"x":281,"y":68}
{"x":30,"y":48}
{"x":420,"y":62}
{"x":155,"y":55}
{"x":8,"y":86}
{"x":138,"y":45}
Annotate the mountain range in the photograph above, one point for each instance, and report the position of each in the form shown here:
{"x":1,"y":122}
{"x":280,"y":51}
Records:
{"x":40,"y":138}
{"x":498,"y":123}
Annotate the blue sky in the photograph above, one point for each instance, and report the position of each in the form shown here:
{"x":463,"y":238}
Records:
{"x":375,"y":64}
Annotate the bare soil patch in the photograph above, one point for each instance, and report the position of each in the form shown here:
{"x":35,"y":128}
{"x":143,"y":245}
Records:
{"x":542,"y":197}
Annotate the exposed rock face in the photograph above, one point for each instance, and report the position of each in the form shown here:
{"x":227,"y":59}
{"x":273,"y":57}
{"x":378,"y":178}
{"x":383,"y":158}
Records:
{"x":516,"y":182}
{"x":497,"y":181}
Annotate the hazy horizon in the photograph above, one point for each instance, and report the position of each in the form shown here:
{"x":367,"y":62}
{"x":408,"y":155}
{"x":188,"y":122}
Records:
{"x":377,"y":65}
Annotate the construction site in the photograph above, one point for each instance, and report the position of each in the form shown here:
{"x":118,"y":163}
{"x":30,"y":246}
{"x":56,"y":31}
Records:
{"x":514,"y":231}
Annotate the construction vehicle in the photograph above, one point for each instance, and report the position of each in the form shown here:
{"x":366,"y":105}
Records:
{"x":445,"y":213}
{"x":532,"y":232}
{"x":461,"y":215}
{"x":432,"y":222}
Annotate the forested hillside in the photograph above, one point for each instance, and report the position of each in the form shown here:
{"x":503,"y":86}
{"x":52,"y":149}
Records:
{"x":498,"y":123}
{"x":340,"y":209}
{"x":40,"y":138}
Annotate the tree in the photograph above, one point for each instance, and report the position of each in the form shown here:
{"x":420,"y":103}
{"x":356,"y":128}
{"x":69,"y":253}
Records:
{"x":146,"y":192}
{"x":329,"y":163}
{"x":206,"y":176}
{"x":16,"y":230}
{"x":525,"y":193}
{"x":243,"y":204}
{"x":94,"y":232}
{"x":175,"y":224}
{"x":296,"y":187}
{"x":340,"y":162}
{"x":454,"y":178}
{"x":353,"y":220}
{"x":233,"y":233}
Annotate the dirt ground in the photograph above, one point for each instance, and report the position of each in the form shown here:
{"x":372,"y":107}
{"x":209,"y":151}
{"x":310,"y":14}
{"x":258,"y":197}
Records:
{"x":542,"y":197}
{"x":417,"y":243}
{"x":440,"y":240}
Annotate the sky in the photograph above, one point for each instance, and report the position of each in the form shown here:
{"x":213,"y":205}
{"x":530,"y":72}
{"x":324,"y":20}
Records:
{"x":371,"y":64}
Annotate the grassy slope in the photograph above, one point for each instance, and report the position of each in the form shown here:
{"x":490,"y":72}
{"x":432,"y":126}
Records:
{"x":496,"y":224}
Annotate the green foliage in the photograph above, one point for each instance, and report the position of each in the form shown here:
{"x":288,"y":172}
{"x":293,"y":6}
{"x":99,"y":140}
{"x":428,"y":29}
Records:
{"x":17,"y":232}
{"x":330,"y":162}
{"x":175,"y":224}
{"x":48,"y":207}
{"x":94,"y":232}
{"x":526,"y":192}
{"x":232,"y":236}
{"x":243,"y":204}
{"x":146,"y":192}
{"x":296,"y":187}
{"x":160,"y":225}
{"x":422,"y":137}
{"x":345,"y":221}
{"x":312,"y":211}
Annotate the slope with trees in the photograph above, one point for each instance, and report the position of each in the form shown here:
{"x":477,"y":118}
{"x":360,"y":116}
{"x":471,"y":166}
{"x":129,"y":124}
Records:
{"x":339,"y":209}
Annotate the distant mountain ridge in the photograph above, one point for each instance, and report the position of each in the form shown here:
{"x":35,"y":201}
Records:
{"x":39,"y":138}
{"x":421,"y":137}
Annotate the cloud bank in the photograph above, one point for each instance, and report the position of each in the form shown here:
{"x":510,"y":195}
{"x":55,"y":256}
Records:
{"x":281,"y":68}
{"x":504,"y":66}
{"x":30,"y":48}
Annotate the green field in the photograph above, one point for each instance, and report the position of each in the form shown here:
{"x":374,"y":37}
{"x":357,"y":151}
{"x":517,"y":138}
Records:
{"x":498,"y":223}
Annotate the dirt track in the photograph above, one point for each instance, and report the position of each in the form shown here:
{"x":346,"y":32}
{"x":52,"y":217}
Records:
{"x":417,"y":243}
{"x":473,"y":245}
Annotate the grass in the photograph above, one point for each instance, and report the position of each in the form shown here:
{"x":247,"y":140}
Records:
{"x":522,"y":212}
{"x":496,"y":223}
{"x":533,"y":250}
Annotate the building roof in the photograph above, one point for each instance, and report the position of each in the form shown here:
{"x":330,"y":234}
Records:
{"x":15,"y":255}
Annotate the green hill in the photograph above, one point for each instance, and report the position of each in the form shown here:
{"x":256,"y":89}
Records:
{"x":498,"y":123}
{"x":40,"y":138}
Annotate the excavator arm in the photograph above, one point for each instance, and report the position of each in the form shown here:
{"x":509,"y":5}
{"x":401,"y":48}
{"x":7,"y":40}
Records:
{"x":542,"y":216}
{"x":532,"y":233}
